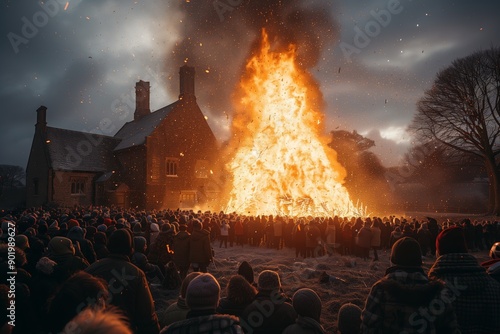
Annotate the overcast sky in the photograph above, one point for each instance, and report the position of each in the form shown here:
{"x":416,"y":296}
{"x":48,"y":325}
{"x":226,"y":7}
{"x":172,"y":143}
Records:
{"x":81,"y":60}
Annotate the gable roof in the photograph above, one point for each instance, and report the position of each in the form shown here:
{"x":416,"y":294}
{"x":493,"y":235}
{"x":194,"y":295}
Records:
{"x":80,"y":151}
{"x":134,"y":133}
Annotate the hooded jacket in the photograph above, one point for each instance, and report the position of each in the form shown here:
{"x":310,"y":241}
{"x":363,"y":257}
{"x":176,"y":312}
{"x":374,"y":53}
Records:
{"x":200,"y":250}
{"x":181,"y":247}
{"x":475,"y":295}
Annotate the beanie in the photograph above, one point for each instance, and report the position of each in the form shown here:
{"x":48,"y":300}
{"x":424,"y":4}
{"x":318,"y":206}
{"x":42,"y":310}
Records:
{"x":451,"y":240}
{"x":246,"y":270}
{"x":307,"y":303}
{"x":22,"y":242}
{"x":120,"y":242}
{"x":349,"y":319}
{"x":61,"y":246}
{"x":203,"y":293}
{"x":268,"y":280}
{"x":73,"y":223}
{"x":140,"y":244}
{"x":406,"y":253}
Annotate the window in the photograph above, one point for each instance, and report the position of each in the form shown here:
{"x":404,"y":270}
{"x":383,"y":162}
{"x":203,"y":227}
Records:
{"x":35,"y":186}
{"x":171,"y":166}
{"x":201,"y":169}
{"x":187,"y":199}
{"x":155,"y":169}
{"x":77,"y":186}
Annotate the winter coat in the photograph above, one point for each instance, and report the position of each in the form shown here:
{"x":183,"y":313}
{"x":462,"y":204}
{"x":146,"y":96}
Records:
{"x":278,"y":228}
{"x":158,"y":253}
{"x":175,"y":312}
{"x":224,"y":229}
{"x":376,"y":233}
{"x":283,"y":314}
{"x":305,"y":325}
{"x":200,"y":250}
{"x":205,"y":324}
{"x":181,"y":246}
{"x":129,"y":291}
{"x":476,"y":296}
{"x":76,"y":234}
{"x":228,"y":306}
{"x":396,"y":304}
{"x":313,"y":234}
{"x":365,"y":237}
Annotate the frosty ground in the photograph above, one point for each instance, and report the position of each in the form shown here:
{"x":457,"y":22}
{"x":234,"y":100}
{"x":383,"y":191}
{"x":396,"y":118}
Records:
{"x":350,"y":278}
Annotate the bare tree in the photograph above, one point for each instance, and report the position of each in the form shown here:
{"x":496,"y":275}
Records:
{"x":10,"y":177}
{"x":461,"y":111}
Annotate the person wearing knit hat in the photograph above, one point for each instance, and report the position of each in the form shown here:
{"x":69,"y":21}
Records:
{"x":395,"y":302}
{"x":120,"y":242}
{"x":61,"y":246}
{"x":349,"y":319}
{"x":451,"y":240}
{"x":477,"y":301}
{"x":202,"y":297}
{"x":62,"y":251}
{"x":269,"y":280}
{"x":22,"y":242}
{"x":269,"y":296}
{"x":307,"y":304}
{"x":127,"y":283}
{"x":406,"y":253}
{"x":177,"y":311}
{"x":246,"y":270}
{"x":73,"y":223}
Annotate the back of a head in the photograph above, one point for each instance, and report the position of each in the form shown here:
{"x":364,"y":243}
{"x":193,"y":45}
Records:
{"x":307,"y":303}
{"x":451,"y":240}
{"x":79,"y":291}
{"x":185,"y":283}
{"x":406,"y":252}
{"x":91,"y":321}
{"x":203,"y":293}
{"x":246,"y":270}
{"x":120,"y":242}
{"x":269,"y":280}
{"x":349,"y":319}
{"x":239,"y":290}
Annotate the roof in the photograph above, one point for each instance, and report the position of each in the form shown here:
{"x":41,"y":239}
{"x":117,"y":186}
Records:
{"x":80,"y":151}
{"x":134,"y":133}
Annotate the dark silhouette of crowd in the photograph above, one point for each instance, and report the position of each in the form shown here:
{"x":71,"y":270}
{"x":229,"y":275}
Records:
{"x":90,"y":270}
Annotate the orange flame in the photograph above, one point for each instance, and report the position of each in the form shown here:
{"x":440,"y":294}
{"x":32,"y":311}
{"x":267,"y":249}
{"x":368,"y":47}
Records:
{"x":282,"y":164}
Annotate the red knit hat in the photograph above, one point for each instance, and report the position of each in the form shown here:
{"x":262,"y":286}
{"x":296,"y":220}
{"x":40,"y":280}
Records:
{"x":451,"y":240}
{"x":73,"y":223}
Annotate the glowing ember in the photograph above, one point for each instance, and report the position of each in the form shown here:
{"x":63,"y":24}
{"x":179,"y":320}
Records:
{"x":282,"y":164}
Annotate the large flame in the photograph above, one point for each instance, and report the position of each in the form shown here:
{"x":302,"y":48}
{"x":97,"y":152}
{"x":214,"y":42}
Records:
{"x":282,"y":164}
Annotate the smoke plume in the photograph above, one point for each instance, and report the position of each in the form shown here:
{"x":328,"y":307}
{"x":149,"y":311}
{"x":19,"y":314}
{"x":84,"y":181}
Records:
{"x":217,"y":36}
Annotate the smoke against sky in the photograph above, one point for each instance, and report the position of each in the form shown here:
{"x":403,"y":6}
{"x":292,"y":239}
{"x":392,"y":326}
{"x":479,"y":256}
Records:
{"x":81,"y":59}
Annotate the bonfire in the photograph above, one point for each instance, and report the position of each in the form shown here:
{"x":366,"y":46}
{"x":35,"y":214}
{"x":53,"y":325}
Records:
{"x":281,"y":163}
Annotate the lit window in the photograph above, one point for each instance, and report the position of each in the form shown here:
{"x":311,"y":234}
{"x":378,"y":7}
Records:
{"x":171,"y":166}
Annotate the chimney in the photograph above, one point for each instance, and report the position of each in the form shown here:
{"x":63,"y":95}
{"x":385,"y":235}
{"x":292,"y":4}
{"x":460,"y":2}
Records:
{"x":41,"y":118}
{"x":186,"y":75}
{"x":141,"y":100}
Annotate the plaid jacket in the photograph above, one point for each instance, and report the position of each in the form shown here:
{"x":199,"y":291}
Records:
{"x":406,"y":302}
{"x":208,"y":324}
{"x":476,"y":296}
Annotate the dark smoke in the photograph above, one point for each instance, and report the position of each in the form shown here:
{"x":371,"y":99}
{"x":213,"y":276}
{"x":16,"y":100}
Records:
{"x":218,"y":36}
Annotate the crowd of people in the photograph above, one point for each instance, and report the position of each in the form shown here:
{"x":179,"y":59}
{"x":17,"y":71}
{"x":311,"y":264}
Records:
{"x":89,"y":270}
